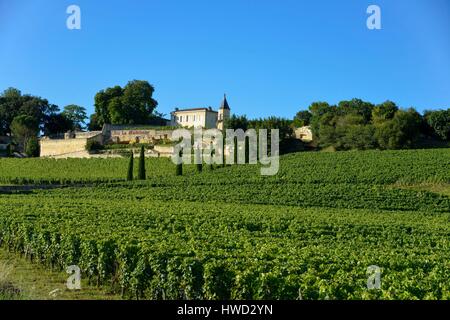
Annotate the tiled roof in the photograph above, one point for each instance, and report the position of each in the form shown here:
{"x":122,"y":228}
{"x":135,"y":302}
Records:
{"x":194,"y":109}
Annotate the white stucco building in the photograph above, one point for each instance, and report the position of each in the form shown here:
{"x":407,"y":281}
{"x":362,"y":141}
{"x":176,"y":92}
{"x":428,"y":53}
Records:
{"x":201,"y":117}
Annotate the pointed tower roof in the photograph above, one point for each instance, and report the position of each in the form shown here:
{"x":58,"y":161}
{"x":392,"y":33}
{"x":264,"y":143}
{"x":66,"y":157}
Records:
{"x":225,"y":103}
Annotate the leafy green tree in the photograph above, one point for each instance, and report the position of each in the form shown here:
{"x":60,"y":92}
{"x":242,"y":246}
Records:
{"x":77,"y":115}
{"x":237,"y":122}
{"x":356,"y":107}
{"x":133,"y":104}
{"x":322,"y":115}
{"x":141,"y":172}
{"x":56,"y":124}
{"x":383,"y":112}
{"x":138,"y":99}
{"x":302,"y":118}
{"x":130,"y":168}
{"x":101,"y":102}
{"x":439,"y":122}
{"x":401,"y":131}
{"x":94,"y":124}
{"x":10,"y":104}
{"x":14,"y":104}
{"x":23,"y":128}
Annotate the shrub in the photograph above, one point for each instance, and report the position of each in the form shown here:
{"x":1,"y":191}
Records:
{"x":32,"y":148}
{"x":93,"y":145}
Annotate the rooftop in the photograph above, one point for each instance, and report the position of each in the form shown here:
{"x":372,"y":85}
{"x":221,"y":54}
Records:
{"x":194,"y":109}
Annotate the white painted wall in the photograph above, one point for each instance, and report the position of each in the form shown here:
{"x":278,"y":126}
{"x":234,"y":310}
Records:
{"x":195,"y":118}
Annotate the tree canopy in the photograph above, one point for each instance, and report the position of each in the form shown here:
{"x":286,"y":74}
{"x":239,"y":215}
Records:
{"x":13,"y":104}
{"x":132,"y":104}
{"x":357,"y":124}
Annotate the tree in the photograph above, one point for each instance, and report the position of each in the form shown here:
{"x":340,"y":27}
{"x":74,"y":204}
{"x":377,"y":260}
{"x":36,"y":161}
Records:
{"x":302,"y":118}
{"x":101,"y":102}
{"x":439,"y":122}
{"x":77,"y":115}
{"x":283,"y":125}
{"x":322,"y":115}
{"x":130,"y":168}
{"x":10,"y":103}
{"x":237,"y":122}
{"x":133,"y":104}
{"x":32,"y":147}
{"x":356,"y":107}
{"x":198,"y":157}
{"x":57,"y":124}
{"x":141,"y":172}
{"x":24,"y":128}
{"x":137,"y":97}
{"x":399,"y":132}
{"x":14,"y":104}
{"x":94,"y":124}
{"x":383,"y":112}
{"x":212,"y":153}
{"x":179,"y":166}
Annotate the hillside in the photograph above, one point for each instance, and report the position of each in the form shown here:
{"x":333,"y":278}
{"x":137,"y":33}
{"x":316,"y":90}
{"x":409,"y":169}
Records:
{"x":310,"y":232}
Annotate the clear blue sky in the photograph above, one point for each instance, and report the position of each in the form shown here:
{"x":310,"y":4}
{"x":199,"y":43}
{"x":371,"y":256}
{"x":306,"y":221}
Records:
{"x":270,"y":57}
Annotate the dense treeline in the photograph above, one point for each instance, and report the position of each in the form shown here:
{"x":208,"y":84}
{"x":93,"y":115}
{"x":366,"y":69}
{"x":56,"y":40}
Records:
{"x":361,"y":125}
{"x":285,"y":127}
{"x":25,"y":116}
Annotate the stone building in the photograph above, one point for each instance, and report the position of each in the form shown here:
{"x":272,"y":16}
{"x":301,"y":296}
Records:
{"x":304,"y":133}
{"x":201,"y":117}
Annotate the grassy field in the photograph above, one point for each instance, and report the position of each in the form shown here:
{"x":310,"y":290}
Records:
{"x":22,"y":280}
{"x":309,"y":232}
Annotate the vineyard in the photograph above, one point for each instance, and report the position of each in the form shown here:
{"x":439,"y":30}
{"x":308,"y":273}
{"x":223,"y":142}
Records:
{"x":309,"y":232}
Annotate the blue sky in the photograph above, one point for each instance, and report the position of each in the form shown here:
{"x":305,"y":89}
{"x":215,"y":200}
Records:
{"x":270,"y":57}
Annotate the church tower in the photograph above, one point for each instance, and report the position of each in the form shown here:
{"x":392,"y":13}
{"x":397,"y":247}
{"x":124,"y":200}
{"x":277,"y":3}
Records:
{"x":224,"y":113}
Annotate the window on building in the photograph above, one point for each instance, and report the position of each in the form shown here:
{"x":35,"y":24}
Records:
{"x":181,"y":118}
{"x":187,"y":118}
{"x":194,"y":117}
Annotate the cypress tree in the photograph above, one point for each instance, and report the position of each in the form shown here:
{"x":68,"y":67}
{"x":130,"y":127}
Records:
{"x":211,"y":164}
{"x":247,"y":150}
{"x":9,"y":150}
{"x":179,"y":166}
{"x":141,"y":173}
{"x":198,"y":155}
{"x":130,"y":168}
{"x":236,"y":150}
{"x":223,"y":151}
